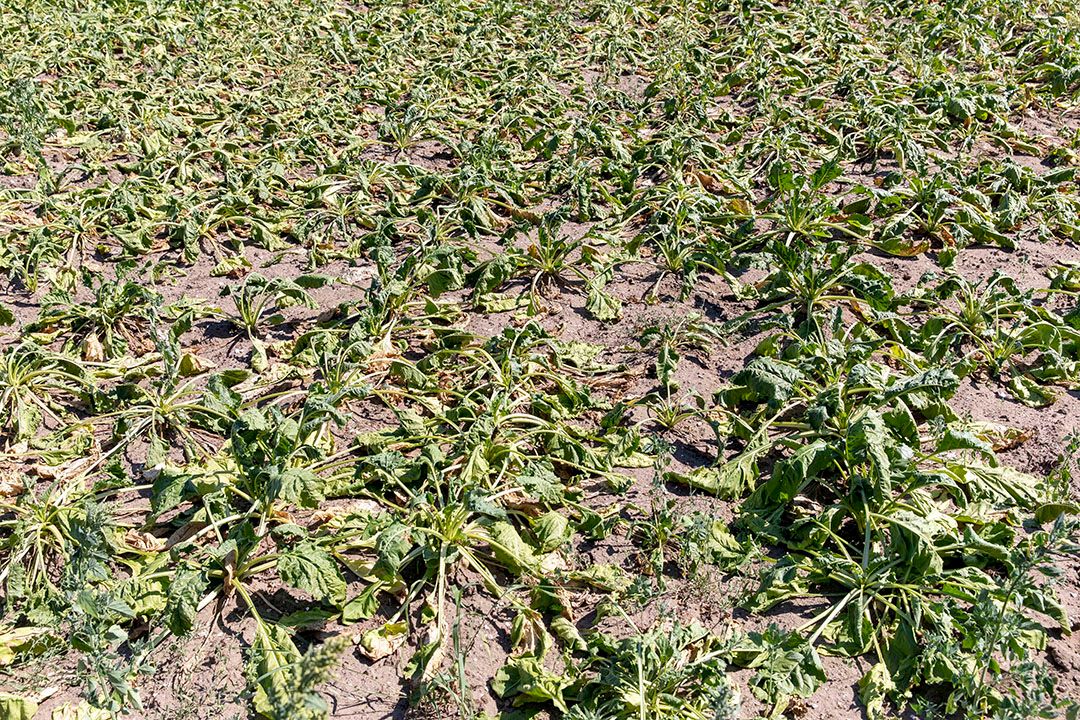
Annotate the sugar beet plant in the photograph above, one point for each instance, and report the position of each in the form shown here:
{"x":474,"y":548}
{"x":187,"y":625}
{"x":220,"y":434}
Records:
{"x":573,"y":324}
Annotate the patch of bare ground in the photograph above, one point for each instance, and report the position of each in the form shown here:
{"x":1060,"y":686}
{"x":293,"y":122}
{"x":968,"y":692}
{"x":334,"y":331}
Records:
{"x":202,"y":675}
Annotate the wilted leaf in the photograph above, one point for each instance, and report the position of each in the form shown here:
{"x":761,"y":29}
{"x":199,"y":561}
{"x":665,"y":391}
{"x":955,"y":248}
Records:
{"x":310,"y":568}
{"x":185,"y":593}
{"x":786,"y":665}
{"x":524,"y":679}
{"x":511,"y":551}
{"x":382,"y":641}
{"x":730,"y":479}
{"x":1030,"y":392}
{"x":81,"y":711}
{"x":602,"y":305}
{"x":14,"y":707}
{"x":552,"y":530}
{"x":874,"y":688}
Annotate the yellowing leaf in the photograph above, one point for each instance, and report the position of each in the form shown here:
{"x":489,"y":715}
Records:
{"x":16,"y":640}
{"x":14,"y":707}
{"x":82,"y":711}
{"x":383,"y":641}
